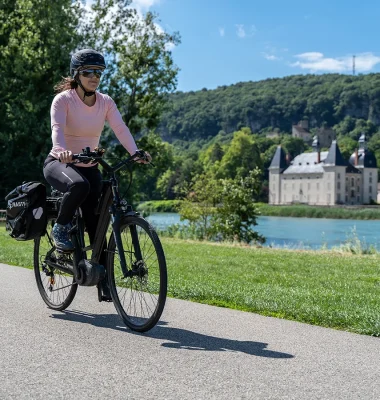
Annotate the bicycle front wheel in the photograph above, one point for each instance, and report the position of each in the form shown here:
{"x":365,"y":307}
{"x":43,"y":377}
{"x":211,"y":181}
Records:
{"x":140,"y":297}
{"x":53,"y":272}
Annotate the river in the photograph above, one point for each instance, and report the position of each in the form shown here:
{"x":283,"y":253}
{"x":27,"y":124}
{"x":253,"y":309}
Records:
{"x":300,"y":233}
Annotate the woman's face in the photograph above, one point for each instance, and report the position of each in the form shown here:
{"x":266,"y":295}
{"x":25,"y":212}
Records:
{"x":89,"y":79}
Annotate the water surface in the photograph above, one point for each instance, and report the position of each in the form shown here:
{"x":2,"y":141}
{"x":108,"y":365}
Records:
{"x":297,"y":233}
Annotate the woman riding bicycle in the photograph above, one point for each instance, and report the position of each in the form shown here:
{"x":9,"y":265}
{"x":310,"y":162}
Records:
{"x":78,"y":115}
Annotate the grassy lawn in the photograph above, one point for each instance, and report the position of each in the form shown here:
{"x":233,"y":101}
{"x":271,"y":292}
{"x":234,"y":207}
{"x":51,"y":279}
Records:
{"x":323,"y":288}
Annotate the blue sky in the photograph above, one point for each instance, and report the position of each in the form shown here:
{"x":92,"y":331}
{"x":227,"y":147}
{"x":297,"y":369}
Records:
{"x":230,"y":41}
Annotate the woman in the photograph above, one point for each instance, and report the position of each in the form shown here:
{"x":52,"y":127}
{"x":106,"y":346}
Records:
{"x":78,"y":114}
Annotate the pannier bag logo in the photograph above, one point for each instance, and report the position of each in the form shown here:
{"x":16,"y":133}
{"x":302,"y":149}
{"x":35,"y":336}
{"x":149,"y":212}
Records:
{"x":37,"y":212}
{"x":12,"y":204}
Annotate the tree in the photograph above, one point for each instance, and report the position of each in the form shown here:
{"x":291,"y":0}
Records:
{"x":241,"y":156}
{"x":145,"y":177}
{"x":294,"y":146}
{"x":236,"y":216}
{"x":140,"y":71}
{"x":36,"y":38}
{"x":223,"y":209}
{"x":200,"y":204}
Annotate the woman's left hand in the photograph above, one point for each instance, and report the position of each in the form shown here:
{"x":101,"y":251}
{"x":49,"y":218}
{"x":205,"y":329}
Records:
{"x":146,"y":160}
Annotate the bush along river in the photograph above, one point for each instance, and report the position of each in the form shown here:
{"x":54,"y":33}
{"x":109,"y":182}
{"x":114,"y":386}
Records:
{"x":301,"y":233}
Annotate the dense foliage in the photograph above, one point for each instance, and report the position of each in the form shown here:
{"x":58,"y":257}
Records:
{"x":36,"y":41}
{"x":223,"y":209}
{"x":325,"y":100}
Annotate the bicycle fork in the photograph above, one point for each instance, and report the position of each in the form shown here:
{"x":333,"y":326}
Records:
{"x":116,"y":225}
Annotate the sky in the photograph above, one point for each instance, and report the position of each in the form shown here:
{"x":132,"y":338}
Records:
{"x":228,"y":41}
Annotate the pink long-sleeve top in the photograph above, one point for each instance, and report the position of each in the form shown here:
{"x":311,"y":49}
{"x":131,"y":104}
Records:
{"x":76,"y":126}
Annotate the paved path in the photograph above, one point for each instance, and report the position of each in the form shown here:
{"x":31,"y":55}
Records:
{"x":196,"y":352}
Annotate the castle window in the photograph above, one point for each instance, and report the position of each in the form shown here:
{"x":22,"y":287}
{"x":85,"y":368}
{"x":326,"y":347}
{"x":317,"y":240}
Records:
{"x":370,"y":174}
{"x":346,"y":198}
{"x":370,"y":179}
{"x":370,"y":189}
{"x":358,"y":199}
{"x":338,"y":185}
{"x":358,"y":189}
{"x":338,"y":175}
{"x":338,"y":197}
{"x":352,"y":182}
{"x":307,"y":163}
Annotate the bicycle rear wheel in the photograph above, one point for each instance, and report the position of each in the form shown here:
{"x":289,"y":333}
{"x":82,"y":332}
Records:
{"x":52,"y":271}
{"x":139,"y":298}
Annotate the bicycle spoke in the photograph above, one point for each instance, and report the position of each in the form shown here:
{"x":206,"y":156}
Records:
{"x":141,"y":296}
{"x":57,"y":288}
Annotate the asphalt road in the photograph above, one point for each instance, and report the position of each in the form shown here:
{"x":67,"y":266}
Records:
{"x":196,"y":352}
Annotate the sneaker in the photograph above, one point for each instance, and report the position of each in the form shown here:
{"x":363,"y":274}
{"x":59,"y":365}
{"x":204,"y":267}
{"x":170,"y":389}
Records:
{"x":61,"y":237}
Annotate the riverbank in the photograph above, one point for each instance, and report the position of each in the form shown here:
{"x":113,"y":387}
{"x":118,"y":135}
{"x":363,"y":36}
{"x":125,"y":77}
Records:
{"x":296,"y":210}
{"x":331,"y":289}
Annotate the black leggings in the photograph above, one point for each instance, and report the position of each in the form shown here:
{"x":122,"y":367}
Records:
{"x":81,"y":187}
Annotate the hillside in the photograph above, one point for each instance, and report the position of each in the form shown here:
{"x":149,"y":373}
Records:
{"x":325,"y":100}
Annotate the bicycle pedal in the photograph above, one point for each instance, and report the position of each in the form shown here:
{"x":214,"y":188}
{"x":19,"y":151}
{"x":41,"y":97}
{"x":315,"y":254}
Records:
{"x":107,"y":299}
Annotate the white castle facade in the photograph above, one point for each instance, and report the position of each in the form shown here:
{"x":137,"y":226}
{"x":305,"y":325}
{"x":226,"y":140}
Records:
{"x":324,"y":178}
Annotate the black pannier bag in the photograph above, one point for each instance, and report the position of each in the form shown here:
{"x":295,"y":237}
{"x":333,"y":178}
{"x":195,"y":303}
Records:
{"x":26,"y":216}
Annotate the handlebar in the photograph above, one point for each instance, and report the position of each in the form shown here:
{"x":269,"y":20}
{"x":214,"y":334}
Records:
{"x":95,"y":156}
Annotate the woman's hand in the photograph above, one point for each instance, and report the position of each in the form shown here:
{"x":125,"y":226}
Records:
{"x":66,"y":156}
{"x":146,"y":160}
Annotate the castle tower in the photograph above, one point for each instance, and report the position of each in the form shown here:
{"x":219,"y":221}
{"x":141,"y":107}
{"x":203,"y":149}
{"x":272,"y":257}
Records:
{"x":365,"y":161}
{"x":276,"y":168}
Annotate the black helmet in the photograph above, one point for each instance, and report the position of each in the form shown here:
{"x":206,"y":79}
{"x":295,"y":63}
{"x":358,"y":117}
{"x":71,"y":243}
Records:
{"x":86,"y":57}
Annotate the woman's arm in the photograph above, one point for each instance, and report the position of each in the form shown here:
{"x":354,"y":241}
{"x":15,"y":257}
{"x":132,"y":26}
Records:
{"x":118,"y":126}
{"x":58,"y":113}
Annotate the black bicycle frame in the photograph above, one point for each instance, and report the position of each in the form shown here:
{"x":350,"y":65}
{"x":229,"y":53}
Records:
{"x":110,"y":209}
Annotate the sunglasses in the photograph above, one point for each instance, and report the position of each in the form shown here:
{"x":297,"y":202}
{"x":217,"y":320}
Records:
{"x":90,"y":73}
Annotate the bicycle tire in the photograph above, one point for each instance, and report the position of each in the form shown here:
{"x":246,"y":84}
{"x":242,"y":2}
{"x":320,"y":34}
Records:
{"x":140,"y":299}
{"x":56,"y":288}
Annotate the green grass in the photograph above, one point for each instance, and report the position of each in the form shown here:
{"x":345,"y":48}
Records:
{"x":323,"y":288}
{"x":306,"y":211}
{"x":154,"y":206}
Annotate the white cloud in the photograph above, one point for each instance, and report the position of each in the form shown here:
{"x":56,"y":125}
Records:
{"x":144,"y":5}
{"x":141,"y":7}
{"x":271,"y":57}
{"x":316,"y":62}
{"x":241,"y":31}
{"x":221,"y":32}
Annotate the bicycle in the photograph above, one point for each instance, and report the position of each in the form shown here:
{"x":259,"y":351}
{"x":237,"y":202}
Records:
{"x":136,"y":267}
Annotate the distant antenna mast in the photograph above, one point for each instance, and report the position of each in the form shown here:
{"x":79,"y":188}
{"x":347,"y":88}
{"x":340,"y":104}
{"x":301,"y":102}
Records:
{"x":353,"y":65}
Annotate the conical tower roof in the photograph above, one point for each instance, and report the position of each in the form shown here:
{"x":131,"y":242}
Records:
{"x":279,"y":159}
{"x":334,"y":156}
